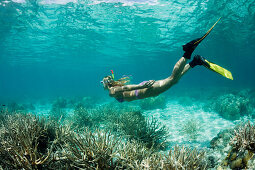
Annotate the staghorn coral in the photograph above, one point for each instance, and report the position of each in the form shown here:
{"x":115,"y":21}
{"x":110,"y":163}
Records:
{"x":185,"y":158}
{"x":135,"y":155}
{"x":28,"y":142}
{"x":91,"y":150}
{"x":82,"y":117}
{"x":244,"y":137}
{"x":242,"y":147}
{"x":101,"y":150}
{"x":134,"y":125}
{"x":60,"y":108}
{"x":93,"y":118}
{"x":158,"y":102}
{"x":191,"y":129}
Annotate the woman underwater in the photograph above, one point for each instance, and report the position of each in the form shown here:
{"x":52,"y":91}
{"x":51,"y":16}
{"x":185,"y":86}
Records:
{"x":151,"y":88}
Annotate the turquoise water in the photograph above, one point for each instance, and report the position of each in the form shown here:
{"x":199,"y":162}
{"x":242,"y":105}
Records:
{"x":65,"y":47}
{"x":54,"y":53}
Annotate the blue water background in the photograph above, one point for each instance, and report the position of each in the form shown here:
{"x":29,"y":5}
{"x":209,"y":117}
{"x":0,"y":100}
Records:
{"x":65,"y":47}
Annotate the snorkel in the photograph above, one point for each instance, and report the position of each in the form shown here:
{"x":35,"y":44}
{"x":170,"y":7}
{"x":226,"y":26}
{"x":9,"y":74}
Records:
{"x":112,"y":74}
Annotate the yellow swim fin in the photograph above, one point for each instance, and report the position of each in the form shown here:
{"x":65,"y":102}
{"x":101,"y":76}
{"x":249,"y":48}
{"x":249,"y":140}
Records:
{"x":218,"y":69}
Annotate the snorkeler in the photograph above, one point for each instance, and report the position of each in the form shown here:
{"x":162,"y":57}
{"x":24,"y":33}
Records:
{"x":152,"y":88}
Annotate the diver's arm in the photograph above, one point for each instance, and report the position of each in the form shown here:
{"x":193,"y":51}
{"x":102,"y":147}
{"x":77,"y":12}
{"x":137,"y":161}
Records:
{"x":133,"y":87}
{"x":127,"y":88}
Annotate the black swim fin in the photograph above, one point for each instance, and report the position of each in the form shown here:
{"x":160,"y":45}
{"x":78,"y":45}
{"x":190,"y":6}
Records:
{"x":205,"y":35}
{"x":191,"y":46}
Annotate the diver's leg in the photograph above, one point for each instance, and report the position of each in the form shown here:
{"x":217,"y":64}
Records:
{"x":197,"y":60}
{"x":178,"y":69}
{"x":181,"y":67}
{"x":186,"y":68}
{"x":162,"y":85}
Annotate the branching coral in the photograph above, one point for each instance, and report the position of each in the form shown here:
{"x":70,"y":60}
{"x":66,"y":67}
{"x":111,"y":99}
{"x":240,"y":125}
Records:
{"x":185,"y":158}
{"x":91,"y":150}
{"x":82,"y":117}
{"x":101,"y":150}
{"x":134,"y":125}
{"x":191,"y":129}
{"x":134,"y":155}
{"x":243,"y":147}
{"x":28,"y":142}
{"x":93,"y":118}
{"x":244,"y":138}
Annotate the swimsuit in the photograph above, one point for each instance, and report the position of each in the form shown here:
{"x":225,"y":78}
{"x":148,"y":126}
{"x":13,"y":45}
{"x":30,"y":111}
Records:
{"x":136,"y":93}
{"x":120,"y":100}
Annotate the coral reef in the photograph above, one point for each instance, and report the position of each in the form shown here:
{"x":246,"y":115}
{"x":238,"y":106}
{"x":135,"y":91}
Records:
{"x":101,"y":150}
{"x":231,"y":106}
{"x":222,"y":139}
{"x":58,"y":109}
{"x":134,"y":125}
{"x":158,"y":102}
{"x":91,"y":150}
{"x":82,"y":117}
{"x":124,"y":121}
{"x":185,"y":158}
{"x":97,"y":116}
{"x":244,"y":138}
{"x":238,"y":146}
{"x":191,"y":129}
{"x":237,"y":159}
{"x":30,"y":142}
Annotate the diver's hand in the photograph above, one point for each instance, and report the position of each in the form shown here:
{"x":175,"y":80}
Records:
{"x":148,"y":84}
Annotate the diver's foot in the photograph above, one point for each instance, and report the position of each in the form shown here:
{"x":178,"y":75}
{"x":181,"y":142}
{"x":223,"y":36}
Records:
{"x":198,"y":60}
{"x":190,"y":47}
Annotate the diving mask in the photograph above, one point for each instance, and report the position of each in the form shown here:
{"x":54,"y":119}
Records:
{"x":107,"y":81}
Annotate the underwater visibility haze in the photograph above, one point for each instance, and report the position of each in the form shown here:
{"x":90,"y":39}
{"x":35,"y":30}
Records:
{"x":65,"y":47}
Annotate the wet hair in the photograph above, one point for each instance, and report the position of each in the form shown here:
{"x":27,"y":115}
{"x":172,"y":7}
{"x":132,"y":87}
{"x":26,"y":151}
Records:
{"x":113,"y":83}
